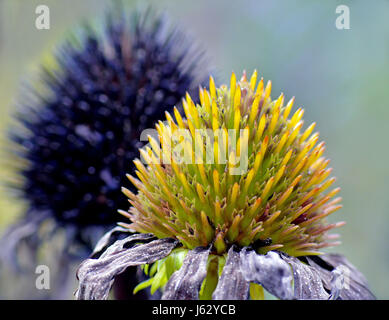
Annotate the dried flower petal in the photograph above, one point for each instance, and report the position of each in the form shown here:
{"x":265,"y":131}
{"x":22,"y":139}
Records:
{"x":25,"y":229}
{"x":96,"y":276}
{"x":307,"y":280}
{"x":109,"y":238}
{"x":185,"y":283}
{"x":232,"y":284}
{"x":269,"y":270}
{"x":351,"y":286}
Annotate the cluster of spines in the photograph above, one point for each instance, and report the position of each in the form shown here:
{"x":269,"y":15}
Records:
{"x":281,"y":198}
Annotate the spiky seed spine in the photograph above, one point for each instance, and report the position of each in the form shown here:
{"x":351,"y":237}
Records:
{"x":279,"y":203}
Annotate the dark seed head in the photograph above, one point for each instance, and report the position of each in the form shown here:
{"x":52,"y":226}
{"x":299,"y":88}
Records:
{"x":84,"y":129}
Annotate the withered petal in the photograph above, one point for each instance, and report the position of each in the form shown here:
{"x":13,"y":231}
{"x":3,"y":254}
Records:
{"x":108,"y":239}
{"x":269,"y":270}
{"x":308,"y":284}
{"x":341,"y":278}
{"x":184,"y":284}
{"x":24,"y":230}
{"x":96,"y":276}
{"x":232,"y":284}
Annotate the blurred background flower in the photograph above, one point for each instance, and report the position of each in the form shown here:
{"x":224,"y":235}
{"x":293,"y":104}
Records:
{"x":78,"y":128}
{"x":297,"y":45}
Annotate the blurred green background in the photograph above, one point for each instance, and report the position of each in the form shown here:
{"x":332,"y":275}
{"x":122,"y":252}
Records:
{"x":340,"y":77}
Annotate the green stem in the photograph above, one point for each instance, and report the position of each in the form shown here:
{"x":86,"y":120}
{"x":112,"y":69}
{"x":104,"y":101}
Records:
{"x":211,"y":279}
